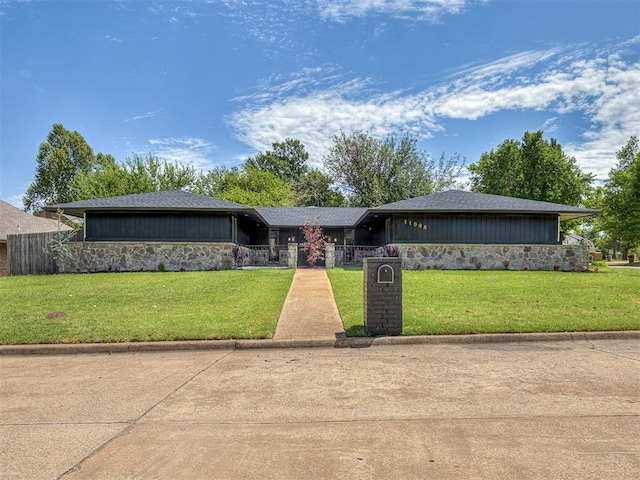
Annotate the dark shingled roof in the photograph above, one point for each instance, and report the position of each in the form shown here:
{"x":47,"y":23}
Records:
{"x":447,"y":202}
{"x":323,"y":216}
{"x":460,"y":201}
{"x":165,"y":200}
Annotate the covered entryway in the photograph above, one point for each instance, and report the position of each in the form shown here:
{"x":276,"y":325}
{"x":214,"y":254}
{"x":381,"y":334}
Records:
{"x":302,"y":255}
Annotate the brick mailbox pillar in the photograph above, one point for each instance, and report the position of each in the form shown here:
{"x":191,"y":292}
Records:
{"x":383,"y":295}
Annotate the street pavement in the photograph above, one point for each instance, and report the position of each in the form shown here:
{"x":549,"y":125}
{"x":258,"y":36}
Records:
{"x":521,"y":410}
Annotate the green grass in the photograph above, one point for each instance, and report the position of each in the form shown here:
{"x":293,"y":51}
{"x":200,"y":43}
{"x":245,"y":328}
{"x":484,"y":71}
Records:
{"x":460,"y":302}
{"x":117,"y":307}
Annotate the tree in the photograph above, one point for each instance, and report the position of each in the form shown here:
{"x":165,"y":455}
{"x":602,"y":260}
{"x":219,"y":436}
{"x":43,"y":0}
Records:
{"x":137,"y":175}
{"x":373,"y":172}
{"x":247,"y":186}
{"x":592,"y":228}
{"x":287,"y":161}
{"x":61,"y":158}
{"x":621,"y":199}
{"x":315,"y":189}
{"x":534,"y":169}
{"x":314,"y":243}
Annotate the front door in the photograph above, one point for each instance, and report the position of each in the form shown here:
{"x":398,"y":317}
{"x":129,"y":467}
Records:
{"x":302,"y":255}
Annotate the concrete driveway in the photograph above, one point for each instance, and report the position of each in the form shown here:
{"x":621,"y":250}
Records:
{"x":474,"y":411}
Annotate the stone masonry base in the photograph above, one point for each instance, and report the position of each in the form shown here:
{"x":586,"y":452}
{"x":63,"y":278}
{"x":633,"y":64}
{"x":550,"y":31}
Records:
{"x":565,"y":258}
{"x":149,"y":256}
{"x":153,"y":256}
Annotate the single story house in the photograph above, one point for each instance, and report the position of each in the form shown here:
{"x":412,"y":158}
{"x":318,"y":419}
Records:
{"x":449,"y":230}
{"x":575,"y":239}
{"x":14,"y":221}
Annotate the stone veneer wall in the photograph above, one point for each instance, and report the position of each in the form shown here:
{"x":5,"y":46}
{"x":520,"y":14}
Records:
{"x":566,"y":258}
{"x":138,"y":256}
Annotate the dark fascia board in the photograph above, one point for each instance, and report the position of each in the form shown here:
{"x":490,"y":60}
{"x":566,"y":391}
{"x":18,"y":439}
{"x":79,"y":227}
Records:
{"x":458,"y":201}
{"x":79,"y":212}
{"x":567,"y":215}
{"x":174,"y":200}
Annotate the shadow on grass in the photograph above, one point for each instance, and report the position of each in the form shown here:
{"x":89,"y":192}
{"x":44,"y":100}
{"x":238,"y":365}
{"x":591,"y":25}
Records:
{"x":356,"y":331}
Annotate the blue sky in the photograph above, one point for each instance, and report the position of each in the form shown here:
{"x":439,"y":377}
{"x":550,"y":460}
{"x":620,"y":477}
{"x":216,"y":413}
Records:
{"x":211,"y":83}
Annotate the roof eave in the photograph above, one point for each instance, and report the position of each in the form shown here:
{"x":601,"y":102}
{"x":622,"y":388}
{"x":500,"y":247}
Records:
{"x":82,"y":210}
{"x":568,"y":215}
{"x":576,"y":215}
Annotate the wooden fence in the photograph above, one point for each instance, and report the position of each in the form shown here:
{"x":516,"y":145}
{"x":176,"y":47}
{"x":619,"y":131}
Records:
{"x":26,"y":254}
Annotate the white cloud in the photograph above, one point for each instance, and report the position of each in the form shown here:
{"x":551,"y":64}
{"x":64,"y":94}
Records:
{"x":109,"y":38}
{"x":143,"y":116}
{"x":429,"y":10}
{"x":318,"y":103}
{"x":314,"y":119}
{"x":16,"y":200}
{"x":193,"y":151}
{"x":550,"y":125}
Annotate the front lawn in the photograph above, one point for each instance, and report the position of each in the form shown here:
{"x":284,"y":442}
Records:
{"x":119,"y":307}
{"x":460,"y":302}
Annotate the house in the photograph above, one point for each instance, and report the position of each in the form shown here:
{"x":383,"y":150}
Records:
{"x":14,"y":221}
{"x":575,"y":239}
{"x":450,"y":230}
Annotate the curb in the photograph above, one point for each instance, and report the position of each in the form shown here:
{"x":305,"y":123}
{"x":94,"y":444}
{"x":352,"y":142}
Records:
{"x":340,"y":342}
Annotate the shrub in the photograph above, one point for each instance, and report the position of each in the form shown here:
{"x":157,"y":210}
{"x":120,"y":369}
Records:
{"x":393,"y":251}
{"x":57,"y":246}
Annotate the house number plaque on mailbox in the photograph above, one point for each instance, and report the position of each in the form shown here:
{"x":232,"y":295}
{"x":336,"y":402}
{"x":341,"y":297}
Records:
{"x":385,"y":274}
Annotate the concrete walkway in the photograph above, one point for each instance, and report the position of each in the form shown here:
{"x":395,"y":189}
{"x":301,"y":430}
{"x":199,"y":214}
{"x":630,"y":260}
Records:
{"x":310,"y":311}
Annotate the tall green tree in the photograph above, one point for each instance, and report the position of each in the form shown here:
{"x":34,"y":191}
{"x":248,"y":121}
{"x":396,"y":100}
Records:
{"x":373,"y":172}
{"x":136,"y":175}
{"x":316,"y":189}
{"x":247,"y":186}
{"x":621,"y":199}
{"x":287,"y":160}
{"x":592,"y":228}
{"x":533,"y":168}
{"x":61,"y":158}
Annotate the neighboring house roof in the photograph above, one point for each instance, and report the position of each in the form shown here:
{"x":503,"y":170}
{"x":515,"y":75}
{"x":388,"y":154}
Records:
{"x":323,"y":216}
{"x":15,"y":221}
{"x":575,"y":239}
{"x":165,"y":200}
{"x":456,"y":201}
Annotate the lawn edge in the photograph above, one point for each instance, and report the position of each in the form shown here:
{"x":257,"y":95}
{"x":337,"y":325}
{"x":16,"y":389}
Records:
{"x":342,"y":342}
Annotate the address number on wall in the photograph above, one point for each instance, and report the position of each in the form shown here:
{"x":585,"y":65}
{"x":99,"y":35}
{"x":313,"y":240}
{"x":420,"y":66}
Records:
{"x":420,"y":225}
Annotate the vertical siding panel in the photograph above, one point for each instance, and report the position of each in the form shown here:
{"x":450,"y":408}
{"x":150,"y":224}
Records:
{"x":126,"y":226}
